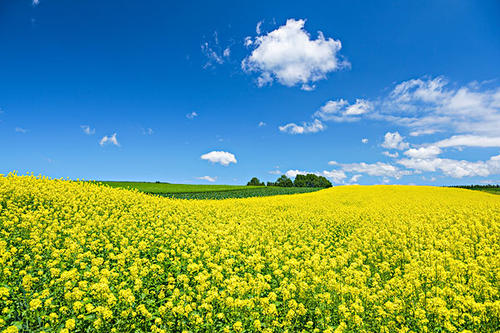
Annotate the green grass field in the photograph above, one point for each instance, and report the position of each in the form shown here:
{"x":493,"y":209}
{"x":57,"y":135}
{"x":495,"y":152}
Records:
{"x":162,"y":188}
{"x":189,"y":191}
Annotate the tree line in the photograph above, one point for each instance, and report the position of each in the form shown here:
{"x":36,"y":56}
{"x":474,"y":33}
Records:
{"x":309,"y":180}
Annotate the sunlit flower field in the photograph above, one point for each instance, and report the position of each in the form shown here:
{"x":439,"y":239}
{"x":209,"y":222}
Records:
{"x":76,"y":256}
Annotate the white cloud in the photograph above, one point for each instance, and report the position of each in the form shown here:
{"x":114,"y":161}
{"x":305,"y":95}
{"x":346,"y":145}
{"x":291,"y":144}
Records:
{"x":261,"y":124}
{"x":294,"y":173}
{"x":454,"y":168}
{"x":355,"y":178}
{"x":364,"y":140}
{"x":290,"y":56}
{"x":388,"y":154}
{"x":109,"y":140}
{"x":87,"y":130}
{"x":375,"y":169}
{"x":214,"y":52}
{"x":423,"y":132}
{"x":336,"y":176}
{"x":212,"y":56}
{"x":469,"y":141}
{"x":21,"y":130}
{"x":191,"y":115}
{"x":248,"y":41}
{"x":207,"y":178}
{"x":257,"y":28}
{"x":394,"y":141}
{"x":221,"y":157}
{"x":313,"y":127}
{"x":35,"y":2}
{"x":275,"y":172}
{"x":430,"y":105}
{"x":423,"y":152}
{"x":147,"y":131}
{"x":341,"y":111}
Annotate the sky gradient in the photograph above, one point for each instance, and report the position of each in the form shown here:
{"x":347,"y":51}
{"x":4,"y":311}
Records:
{"x":184,"y":92}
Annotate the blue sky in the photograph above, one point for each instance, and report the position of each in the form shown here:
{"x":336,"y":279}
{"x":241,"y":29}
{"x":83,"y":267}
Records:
{"x":361,"y":92}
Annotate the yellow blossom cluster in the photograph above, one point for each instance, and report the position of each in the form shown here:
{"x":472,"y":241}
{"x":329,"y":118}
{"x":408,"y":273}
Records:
{"x":76,"y":256}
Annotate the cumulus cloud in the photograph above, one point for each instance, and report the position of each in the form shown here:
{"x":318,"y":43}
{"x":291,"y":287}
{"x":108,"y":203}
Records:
{"x":336,"y":176}
{"x":294,"y":173}
{"x":107,"y":140}
{"x":375,"y":169}
{"x":289,"y":56}
{"x":423,"y":152}
{"x":207,"y":178}
{"x":469,"y":141}
{"x":394,"y":141}
{"x":87,"y":130}
{"x":262,"y":124}
{"x":342,"y":111}
{"x":454,"y":168}
{"x":430,"y":105}
{"x":426,"y":106}
{"x":191,"y":115}
{"x":35,"y":2}
{"x":364,"y":140}
{"x":388,"y":154}
{"x":311,"y":127}
{"x":221,"y":157}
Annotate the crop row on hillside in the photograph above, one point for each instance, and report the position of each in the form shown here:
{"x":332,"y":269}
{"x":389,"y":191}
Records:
{"x":261,"y":191}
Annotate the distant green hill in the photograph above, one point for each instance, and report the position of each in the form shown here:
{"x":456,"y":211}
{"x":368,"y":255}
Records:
{"x":189,"y":191}
{"x":162,"y":188}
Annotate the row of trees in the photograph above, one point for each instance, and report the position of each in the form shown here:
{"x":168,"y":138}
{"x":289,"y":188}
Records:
{"x":309,"y":180}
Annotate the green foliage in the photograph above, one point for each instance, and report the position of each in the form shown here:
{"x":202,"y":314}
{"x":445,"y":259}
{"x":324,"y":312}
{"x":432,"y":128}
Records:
{"x":284,"y":181}
{"x":244,"y":193}
{"x":255,"y":182}
{"x":311,"y":180}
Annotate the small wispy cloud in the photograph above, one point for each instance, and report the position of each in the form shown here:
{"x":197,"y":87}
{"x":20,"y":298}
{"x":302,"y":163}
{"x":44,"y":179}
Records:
{"x":106,"y":140}
{"x":214,"y":52}
{"x":35,"y":2}
{"x":191,"y":115}
{"x":364,"y":140}
{"x":262,"y":124}
{"x":21,"y":130}
{"x":147,"y":131}
{"x":87,"y":130}
{"x":207,"y":178}
{"x":311,"y":127}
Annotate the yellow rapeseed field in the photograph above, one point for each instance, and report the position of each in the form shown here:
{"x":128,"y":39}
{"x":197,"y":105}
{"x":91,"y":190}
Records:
{"x":76,"y":256}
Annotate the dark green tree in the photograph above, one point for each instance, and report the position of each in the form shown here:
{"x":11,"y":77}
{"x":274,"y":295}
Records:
{"x":283,"y":181}
{"x":255,"y":182}
{"x":311,"y":180}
